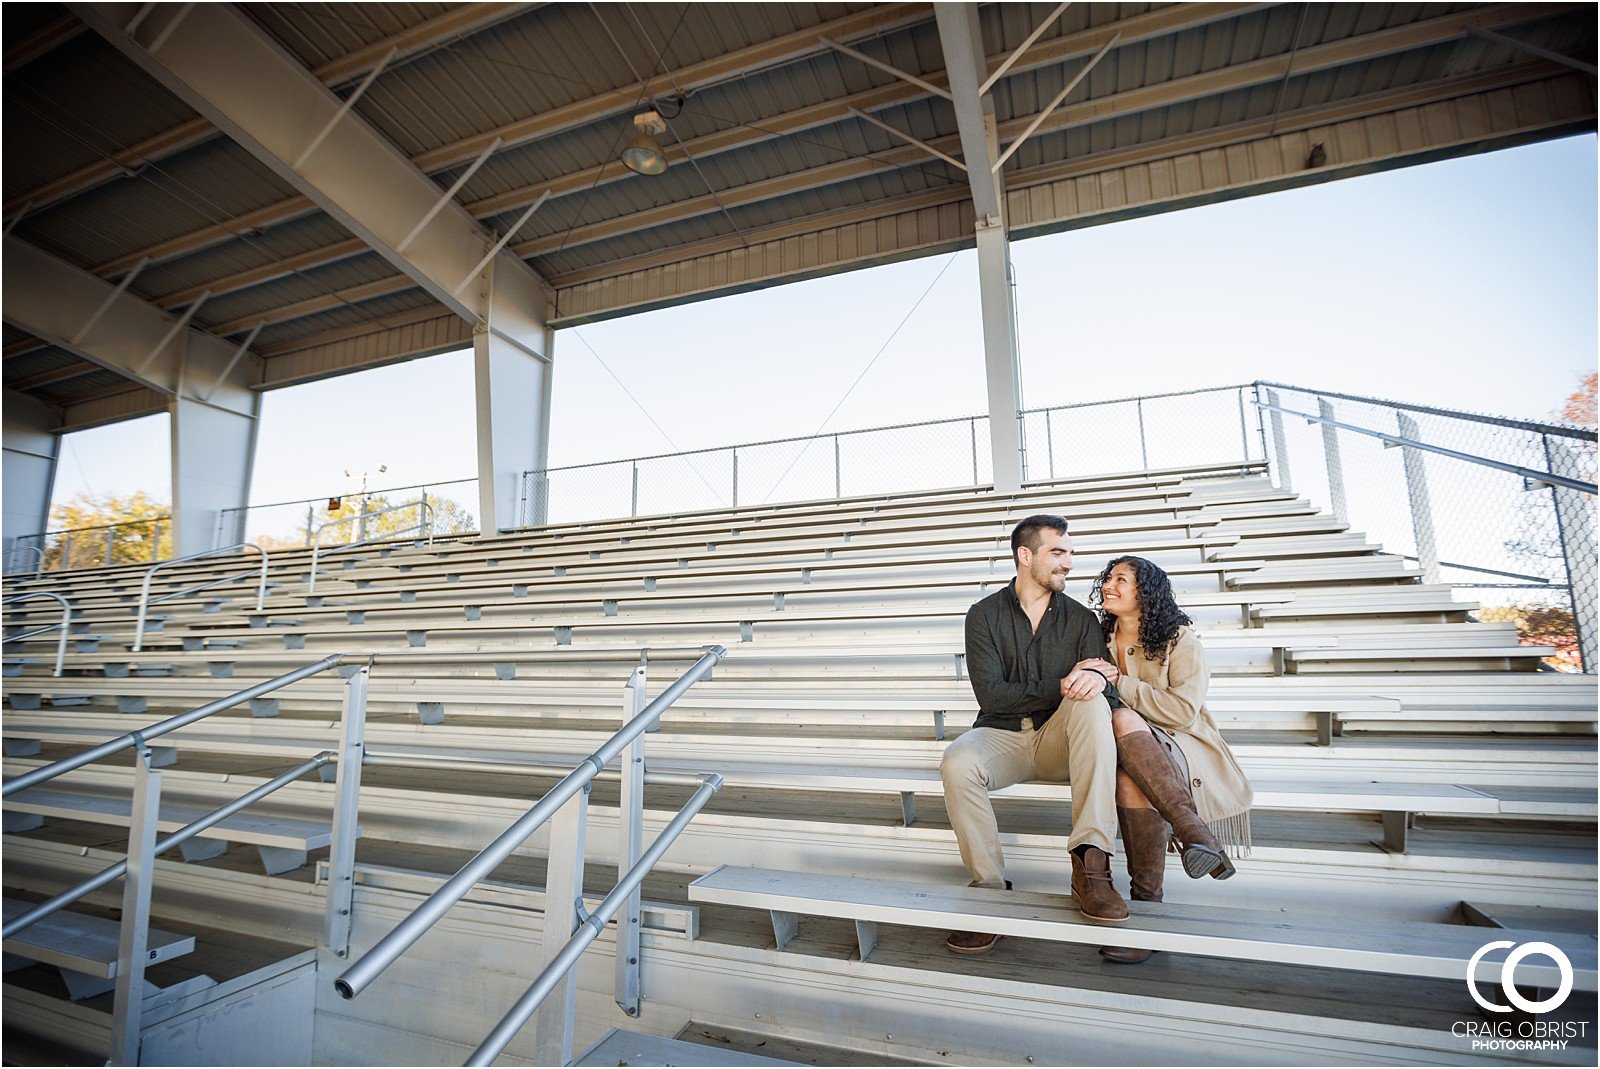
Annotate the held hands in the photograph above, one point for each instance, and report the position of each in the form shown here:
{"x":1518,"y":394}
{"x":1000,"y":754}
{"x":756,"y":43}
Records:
{"x":1081,"y":683}
{"x":1104,"y":667}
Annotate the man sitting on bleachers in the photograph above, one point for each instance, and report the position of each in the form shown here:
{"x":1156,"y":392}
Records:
{"x":1040,"y":717}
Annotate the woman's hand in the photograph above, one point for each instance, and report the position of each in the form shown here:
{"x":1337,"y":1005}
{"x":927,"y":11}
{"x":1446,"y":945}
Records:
{"x":1104,"y":667}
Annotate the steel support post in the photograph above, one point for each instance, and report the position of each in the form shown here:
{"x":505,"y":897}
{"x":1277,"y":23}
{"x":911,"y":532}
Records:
{"x":1330,"y":450}
{"x":1000,"y":352}
{"x":630,"y":845}
{"x":1421,"y":507}
{"x":1575,"y":520}
{"x":1280,"y":446}
{"x":134,"y":936}
{"x":563,"y":897}
{"x":346,"y":813}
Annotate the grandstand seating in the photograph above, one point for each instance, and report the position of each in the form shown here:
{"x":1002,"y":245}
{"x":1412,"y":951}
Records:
{"x":1419,"y":775}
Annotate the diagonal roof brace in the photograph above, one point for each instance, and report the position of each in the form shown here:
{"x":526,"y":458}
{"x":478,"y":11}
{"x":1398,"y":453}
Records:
{"x":922,"y":83}
{"x":902,"y":135}
{"x":1524,"y":46}
{"x":1066,"y":90}
{"x":1017,"y":53}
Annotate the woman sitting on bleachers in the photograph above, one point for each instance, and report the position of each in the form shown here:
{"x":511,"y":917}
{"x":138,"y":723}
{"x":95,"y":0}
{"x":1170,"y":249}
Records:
{"x":1176,"y":777}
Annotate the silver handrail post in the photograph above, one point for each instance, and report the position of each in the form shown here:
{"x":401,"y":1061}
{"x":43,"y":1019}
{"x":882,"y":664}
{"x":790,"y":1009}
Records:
{"x":1330,"y":451}
{"x":1421,"y":505}
{"x":563,"y":912}
{"x":1280,"y":445}
{"x":346,"y":808}
{"x":134,"y":936}
{"x":150,"y":574}
{"x":630,"y":826}
{"x":65,"y":625}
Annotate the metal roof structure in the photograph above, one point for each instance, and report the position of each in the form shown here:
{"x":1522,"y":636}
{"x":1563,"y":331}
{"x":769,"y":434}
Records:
{"x":803,"y":138}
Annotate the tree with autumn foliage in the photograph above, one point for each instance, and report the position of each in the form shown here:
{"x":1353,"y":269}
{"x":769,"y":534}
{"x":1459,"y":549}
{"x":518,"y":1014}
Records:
{"x":93,"y":531}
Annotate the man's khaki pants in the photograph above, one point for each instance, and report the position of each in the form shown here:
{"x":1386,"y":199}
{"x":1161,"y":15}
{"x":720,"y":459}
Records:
{"x":1075,"y":745}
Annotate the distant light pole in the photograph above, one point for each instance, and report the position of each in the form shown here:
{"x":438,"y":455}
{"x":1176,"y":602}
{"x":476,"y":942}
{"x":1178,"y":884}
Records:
{"x":360,"y":534}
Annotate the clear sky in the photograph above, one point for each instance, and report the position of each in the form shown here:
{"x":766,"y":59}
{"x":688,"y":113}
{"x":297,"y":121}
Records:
{"x":1469,"y":283}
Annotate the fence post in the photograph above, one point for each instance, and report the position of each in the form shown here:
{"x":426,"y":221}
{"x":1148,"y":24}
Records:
{"x":66,"y":553}
{"x":1280,"y":445}
{"x":133,"y":937}
{"x":1144,"y":449}
{"x":563,"y":896}
{"x":973,"y":424}
{"x":1575,"y":521}
{"x":1421,"y":508}
{"x":111,"y":543}
{"x":1244,"y":435}
{"x":735,"y":476}
{"x":346,"y":808}
{"x":630,"y":845}
{"x":155,"y":544}
{"x":1330,"y":450}
{"x":1050,"y":443}
{"x":633,"y":509}
{"x":311,"y":523}
{"x":361,"y":521}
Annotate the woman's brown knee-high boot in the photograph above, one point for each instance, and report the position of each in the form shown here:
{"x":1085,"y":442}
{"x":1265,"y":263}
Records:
{"x":1145,"y":761}
{"x":1144,"y":844}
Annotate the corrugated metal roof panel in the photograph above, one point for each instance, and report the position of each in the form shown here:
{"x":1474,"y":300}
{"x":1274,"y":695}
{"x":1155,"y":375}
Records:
{"x":222,"y":261}
{"x":317,"y":33}
{"x":303,"y":286}
{"x":367,"y":312}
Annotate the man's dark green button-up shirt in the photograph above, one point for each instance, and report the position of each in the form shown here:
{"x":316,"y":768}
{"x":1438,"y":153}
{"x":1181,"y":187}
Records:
{"x":1016,"y":672}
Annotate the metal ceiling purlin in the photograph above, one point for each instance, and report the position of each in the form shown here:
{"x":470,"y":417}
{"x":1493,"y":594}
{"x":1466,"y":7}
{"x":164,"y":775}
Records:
{"x":467,"y":19}
{"x":224,"y":66}
{"x":41,"y":42}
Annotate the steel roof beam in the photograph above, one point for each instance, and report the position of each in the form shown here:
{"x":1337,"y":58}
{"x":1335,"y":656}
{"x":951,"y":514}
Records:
{"x":40,"y":43}
{"x":50,"y":378}
{"x":1142,"y":27}
{"x":86,"y":316}
{"x":223,"y":65}
{"x":418,"y":40}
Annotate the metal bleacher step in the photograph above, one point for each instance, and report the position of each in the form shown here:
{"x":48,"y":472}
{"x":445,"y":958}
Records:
{"x":620,"y":1047}
{"x":1364,"y":945}
{"x":83,"y":947}
{"x":282,"y":842}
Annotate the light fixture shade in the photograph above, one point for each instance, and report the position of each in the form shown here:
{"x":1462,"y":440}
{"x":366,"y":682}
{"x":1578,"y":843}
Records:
{"x":643,"y":155}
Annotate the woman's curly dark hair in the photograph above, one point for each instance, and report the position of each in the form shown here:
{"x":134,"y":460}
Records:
{"x":1159,"y":615}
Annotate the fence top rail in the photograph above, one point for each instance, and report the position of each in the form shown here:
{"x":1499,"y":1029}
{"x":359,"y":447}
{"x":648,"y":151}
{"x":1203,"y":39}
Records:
{"x":1396,"y":439}
{"x":146,"y":521}
{"x":144,"y":735}
{"x":427,"y":510}
{"x":878,"y":430}
{"x":387,"y":950}
{"x":353,"y":493}
{"x":1533,"y":426}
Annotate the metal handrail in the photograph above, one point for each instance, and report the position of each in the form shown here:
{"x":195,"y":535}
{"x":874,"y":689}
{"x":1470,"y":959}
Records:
{"x":591,"y":927}
{"x":150,"y":574}
{"x":425,"y":524}
{"x":1530,"y":474}
{"x":183,"y":834}
{"x":37,"y":571}
{"x":144,"y":735}
{"x":65,"y":624}
{"x":371,"y":965}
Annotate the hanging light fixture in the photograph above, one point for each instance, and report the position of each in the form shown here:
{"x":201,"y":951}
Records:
{"x":643,"y":154}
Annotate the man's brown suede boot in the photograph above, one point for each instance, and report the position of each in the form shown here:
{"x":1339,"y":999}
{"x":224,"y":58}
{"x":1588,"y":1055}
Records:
{"x":1097,"y":898}
{"x":1144,"y":844}
{"x":1146,"y":762}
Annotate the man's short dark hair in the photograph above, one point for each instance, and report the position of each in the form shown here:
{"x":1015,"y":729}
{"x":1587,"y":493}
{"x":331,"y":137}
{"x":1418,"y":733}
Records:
{"x":1026,"y":533}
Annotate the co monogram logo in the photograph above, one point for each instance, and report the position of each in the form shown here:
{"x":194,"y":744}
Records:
{"x":1508,"y":974}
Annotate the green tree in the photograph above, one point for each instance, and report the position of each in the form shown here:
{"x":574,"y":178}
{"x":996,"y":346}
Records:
{"x":143,"y":531}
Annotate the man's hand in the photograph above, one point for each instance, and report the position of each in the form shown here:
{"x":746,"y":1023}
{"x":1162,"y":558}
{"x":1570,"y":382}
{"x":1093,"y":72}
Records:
{"x":1104,"y":667}
{"x":1081,"y":684}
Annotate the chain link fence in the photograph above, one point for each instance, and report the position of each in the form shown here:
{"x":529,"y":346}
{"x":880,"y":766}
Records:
{"x":1501,"y":510}
{"x":294,"y":524}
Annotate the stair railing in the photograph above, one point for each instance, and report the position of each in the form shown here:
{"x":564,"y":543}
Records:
{"x":425,"y":523}
{"x":145,"y":601}
{"x":137,"y":870}
{"x":65,"y":624}
{"x":38,"y":551}
{"x":565,"y":806}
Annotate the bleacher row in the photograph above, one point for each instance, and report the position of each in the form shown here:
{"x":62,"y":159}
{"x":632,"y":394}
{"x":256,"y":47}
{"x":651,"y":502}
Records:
{"x":1417,"y":774}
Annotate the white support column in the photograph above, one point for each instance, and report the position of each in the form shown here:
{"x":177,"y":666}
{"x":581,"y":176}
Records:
{"x":966,"y":64}
{"x":30,"y":474}
{"x":213,"y":451}
{"x":513,"y":374}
